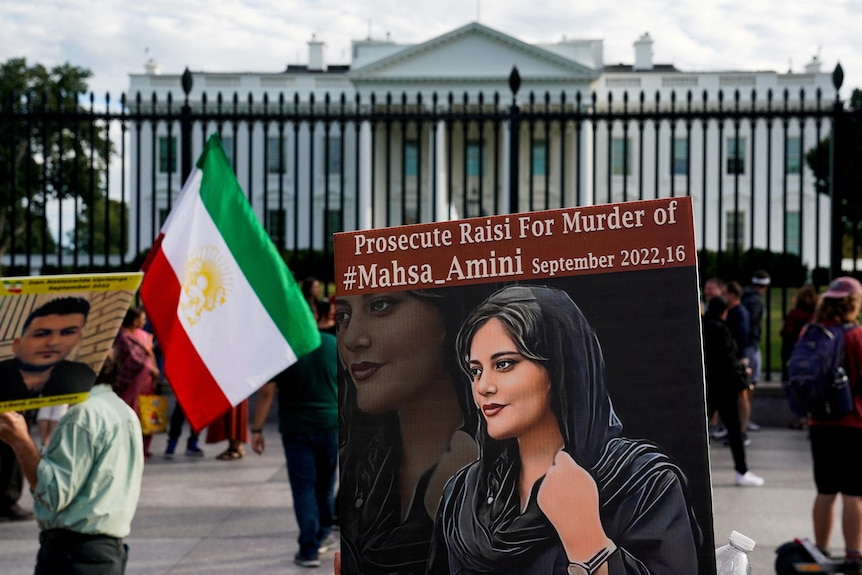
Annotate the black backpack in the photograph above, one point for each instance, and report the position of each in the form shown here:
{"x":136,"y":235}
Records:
{"x":817,"y":383}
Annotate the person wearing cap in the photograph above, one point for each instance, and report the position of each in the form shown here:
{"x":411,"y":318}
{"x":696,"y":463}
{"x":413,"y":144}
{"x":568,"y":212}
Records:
{"x":834,"y":443}
{"x":752,"y":299}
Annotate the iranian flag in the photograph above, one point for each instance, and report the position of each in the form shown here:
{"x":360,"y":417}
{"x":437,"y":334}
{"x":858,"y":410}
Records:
{"x":227,"y":312}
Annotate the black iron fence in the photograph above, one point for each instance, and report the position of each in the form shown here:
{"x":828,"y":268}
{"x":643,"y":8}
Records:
{"x":86,"y":187}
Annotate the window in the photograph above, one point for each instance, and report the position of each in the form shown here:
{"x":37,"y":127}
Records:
{"x":275,"y":163}
{"x":227,"y":144}
{"x":333,"y":166}
{"x":539,"y":158}
{"x":680,"y":157}
{"x":735,"y":156}
{"x":275,"y":220}
{"x":333,"y":225}
{"x":734,"y":231}
{"x":163,"y":215}
{"x":621,"y":157}
{"x":794,"y":156}
{"x":475,"y":159}
{"x":167,"y":155}
{"x":792,"y":232}
{"x":411,"y":158}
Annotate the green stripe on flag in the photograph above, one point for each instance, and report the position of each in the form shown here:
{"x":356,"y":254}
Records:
{"x":253,"y":250}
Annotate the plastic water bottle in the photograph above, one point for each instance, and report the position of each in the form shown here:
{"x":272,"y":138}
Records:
{"x":732,"y":559}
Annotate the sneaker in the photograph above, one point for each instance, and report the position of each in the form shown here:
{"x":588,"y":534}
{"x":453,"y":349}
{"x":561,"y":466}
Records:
{"x":169,"y":450}
{"x":313,"y":561}
{"x":752,"y":426}
{"x":327,"y":544}
{"x":717,"y":432}
{"x":748,"y":479}
{"x":192,"y":449}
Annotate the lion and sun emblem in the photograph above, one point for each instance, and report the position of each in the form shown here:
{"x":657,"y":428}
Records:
{"x":206,"y":283}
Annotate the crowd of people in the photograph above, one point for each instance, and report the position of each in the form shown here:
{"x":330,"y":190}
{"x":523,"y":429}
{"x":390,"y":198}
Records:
{"x":733,"y":367}
{"x":525,"y":345}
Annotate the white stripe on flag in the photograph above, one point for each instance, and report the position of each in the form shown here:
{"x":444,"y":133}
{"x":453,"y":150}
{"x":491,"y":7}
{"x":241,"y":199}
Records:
{"x":227,"y":337}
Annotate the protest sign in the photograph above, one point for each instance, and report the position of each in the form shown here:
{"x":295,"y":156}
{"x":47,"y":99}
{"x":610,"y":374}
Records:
{"x":502,"y":357}
{"x":54,"y":334}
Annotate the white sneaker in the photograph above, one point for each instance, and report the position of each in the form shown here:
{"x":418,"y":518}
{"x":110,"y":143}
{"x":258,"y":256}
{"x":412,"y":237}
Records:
{"x":748,"y":479}
{"x":752,"y":426}
{"x":327,"y":544}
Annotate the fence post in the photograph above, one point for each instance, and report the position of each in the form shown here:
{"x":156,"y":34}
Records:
{"x":186,"y":128}
{"x":514,"y":140}
{"x":837,"y":169}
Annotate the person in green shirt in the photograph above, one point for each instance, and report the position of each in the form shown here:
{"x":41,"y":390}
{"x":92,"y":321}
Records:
{"x":308,"y":423}
{"x":86,"y":486}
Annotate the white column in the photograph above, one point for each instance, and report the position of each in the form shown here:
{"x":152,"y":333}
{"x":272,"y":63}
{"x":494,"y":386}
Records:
{"x":442,"y":211}
{"x":366,"y":188}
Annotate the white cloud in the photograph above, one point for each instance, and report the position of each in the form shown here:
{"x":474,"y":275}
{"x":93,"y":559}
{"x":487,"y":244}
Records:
{"x":110,"y":37}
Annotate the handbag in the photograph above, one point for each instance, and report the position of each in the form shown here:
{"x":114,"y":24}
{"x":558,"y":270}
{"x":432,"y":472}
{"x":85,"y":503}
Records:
{"x":153,"y":412}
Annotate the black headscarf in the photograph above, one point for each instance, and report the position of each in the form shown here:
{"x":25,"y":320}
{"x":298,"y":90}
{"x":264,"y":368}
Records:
{"x":643,"y":505}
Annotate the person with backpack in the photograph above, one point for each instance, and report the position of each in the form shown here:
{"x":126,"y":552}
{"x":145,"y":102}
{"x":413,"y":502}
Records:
{"x":835,"y":441}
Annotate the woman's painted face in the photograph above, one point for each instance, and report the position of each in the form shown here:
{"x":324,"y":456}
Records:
{"x":391,"y":344}
{"x":512,"y":392}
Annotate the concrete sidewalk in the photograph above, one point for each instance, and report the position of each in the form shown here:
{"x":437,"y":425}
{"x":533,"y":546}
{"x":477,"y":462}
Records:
{"x":203,"y":516}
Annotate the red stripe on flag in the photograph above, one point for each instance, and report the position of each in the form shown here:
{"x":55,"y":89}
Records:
{"x":196,"y":390}
{"x":155,"y":249}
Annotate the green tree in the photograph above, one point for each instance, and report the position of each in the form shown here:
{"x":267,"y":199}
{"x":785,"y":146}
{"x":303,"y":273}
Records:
{"x":51,"y":148}
{"x":89,"y":233}
{"x":818,"y":161}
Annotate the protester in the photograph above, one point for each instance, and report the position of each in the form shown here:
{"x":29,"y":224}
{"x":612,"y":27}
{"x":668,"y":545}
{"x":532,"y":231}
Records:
{"x":726,"y":377}
{"x":713,"y":287}
{"x":40,"y":368}
{"x":233,"y":427}
{"x":834,"y":442}
{"x":308,"y":423}
{"x":804,"y":306}
{"x":312,"y":291}
{"x":47,"y":419}
{"x":136,"y":362}
{"x":87,"y":484}
{"x":175,"y":429}
{"x":752,"y":299}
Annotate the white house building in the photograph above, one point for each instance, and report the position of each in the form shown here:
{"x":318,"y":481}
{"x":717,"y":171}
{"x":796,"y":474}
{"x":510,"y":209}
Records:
{"x":307,"y":179}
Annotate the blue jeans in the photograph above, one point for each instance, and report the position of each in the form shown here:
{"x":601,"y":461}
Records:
{"x":311,"y":466}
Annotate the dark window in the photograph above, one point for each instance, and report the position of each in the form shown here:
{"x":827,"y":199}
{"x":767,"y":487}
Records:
{"x":275,"y":159}
{"x":621,"y":157}
{"x":411,"y":158}
{"x":539,"y":158}
{"x":794,"y":156}
{"x":680,"y":156}
{"x":475,"y":159}
{"x":167,"y":154}
{"x":735,"y":156}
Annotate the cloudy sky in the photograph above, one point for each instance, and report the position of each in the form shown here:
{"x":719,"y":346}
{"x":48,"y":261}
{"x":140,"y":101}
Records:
{"x":113,"y":37}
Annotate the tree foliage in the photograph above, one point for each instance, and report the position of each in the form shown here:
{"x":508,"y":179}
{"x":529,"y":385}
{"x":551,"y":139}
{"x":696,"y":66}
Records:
{"x":51,"y":149}
{"x":94,"y":226}
{"x":849,"y":170}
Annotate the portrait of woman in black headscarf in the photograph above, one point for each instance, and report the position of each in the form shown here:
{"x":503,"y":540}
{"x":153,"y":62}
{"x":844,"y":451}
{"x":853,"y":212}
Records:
{"x":557,"y":489}
{"x":404,"y":432}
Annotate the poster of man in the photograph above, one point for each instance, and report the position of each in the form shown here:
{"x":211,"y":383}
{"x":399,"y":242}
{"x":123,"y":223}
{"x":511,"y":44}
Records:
{"x":54,"y":334}
{"x":524,"y":394}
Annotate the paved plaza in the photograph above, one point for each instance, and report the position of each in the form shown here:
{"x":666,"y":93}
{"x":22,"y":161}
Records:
{"x":201,"y":516}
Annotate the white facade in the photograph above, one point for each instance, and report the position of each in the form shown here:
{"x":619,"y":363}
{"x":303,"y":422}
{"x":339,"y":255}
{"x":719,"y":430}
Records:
{"x":583,"y":164}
